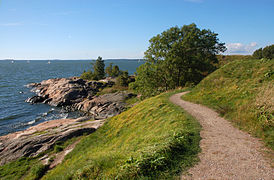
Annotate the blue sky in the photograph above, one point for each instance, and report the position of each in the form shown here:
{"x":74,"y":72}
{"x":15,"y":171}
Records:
{"x":86,"y":29}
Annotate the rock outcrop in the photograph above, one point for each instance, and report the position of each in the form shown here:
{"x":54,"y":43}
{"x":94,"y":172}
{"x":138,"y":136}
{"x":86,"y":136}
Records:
{"x":65,"y":91}
{"x":40,"y":138}
{"x":74,"y":94}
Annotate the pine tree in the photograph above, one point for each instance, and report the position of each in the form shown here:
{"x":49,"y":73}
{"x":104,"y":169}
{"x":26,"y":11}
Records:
{"x":99,"y":68}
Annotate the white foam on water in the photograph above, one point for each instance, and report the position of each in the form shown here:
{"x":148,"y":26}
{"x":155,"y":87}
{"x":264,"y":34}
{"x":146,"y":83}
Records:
{"x":31,"y":122}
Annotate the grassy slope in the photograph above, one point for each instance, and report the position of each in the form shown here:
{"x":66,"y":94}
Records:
{"x":30,"y":168}
{"x":242,"y":91}
{"x":153,"y":139}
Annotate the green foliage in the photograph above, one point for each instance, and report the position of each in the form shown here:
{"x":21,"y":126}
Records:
{"x":87,"y":75}
{"x":37,"y":172}
{"x":16,"y":169}
{"x":224,"y":59}
{"x":113,"y":71}
{"x":109,"y":69}
{"x":31,"y":168}
{"x":177,"y":56}
{"x":258,"y":54}
{"x":243,"y":92}
{"x":58,"y":148}
{"x":123,"y":79}
{"x":154,"y":139}
{"x":98,"y":71}
{"x":266,"y":52}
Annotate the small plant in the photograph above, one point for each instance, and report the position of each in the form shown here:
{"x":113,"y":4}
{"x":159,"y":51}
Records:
{"x":38,"y":171}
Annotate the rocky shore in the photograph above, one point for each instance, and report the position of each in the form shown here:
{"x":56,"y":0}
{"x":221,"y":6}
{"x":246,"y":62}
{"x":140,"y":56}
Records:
{"x":72,"y":94}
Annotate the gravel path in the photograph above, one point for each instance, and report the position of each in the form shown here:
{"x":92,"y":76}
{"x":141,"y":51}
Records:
{"x":227,"y":153}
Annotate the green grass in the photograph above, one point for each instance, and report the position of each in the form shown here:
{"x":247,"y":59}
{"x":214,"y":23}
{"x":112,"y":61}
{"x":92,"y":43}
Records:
{"x":224,"y":59}
{"x":31,"y":168}
{"x":113,"y":89}
{"x":154,"y":139}
{"x":243,"y":92}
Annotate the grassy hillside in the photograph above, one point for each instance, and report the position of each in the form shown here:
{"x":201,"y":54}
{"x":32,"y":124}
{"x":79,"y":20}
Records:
{"x":224,"y":59}
{"x":243,"y":92}
{"x":153,"y":139}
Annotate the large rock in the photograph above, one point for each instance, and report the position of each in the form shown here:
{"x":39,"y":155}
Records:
{"x":104,"y":106}
{"x":74,"y":94}
{"x":40,"y":138}
{"x":64,"y":91}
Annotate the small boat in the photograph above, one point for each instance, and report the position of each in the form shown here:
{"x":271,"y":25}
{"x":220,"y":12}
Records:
{"x":12,"y":62}
{"x":48,"y":62}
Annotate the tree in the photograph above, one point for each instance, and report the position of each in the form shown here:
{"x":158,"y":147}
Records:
{"x":116,"y":71}
{"x":177,"y":56}
{"x":109,"y":70}
{"x":123,"y":79}
{"x":258,"y":54}
{"x":99,"y":68}
{"x":113,"y":71}
{"x":266,"y":52}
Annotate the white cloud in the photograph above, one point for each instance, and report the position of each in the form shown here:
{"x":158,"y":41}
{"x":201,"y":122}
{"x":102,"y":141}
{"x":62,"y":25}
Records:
{"x":239,"y":48}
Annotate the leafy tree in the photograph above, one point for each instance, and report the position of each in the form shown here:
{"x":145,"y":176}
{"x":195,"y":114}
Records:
{"x":268,"y":52}
{"x":177,"y":56}
{"x":116,"y":71}
{"x":109,"y":70}
{"x":123,"y":79}
{"x":99,"y":68}
{"x":113,"y":71}
{"x":258,"y":54}
{"x":89,"y":75}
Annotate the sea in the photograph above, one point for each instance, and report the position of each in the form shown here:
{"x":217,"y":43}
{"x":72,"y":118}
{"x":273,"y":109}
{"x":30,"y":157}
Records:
{"x":15,"y":113}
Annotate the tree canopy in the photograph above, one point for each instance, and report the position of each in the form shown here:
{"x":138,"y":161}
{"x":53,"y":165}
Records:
{"x":113,"y":71}
{"x":98,"y":70}
{"x":177,"y":56}
{"x":266,"y":52}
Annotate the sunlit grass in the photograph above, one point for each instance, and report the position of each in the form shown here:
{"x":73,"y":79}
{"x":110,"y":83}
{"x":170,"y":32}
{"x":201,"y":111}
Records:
{"x":243,"y":92}
{"x":154,"y":139}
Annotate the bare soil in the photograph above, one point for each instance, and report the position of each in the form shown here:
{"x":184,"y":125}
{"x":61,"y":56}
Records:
{"x":227,"y":152}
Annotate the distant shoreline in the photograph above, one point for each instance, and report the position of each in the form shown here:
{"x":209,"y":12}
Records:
{"x":114,"y":59}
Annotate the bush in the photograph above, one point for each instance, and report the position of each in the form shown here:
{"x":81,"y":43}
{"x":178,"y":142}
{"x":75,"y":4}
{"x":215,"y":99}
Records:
{"x":87,"y":75}
{"x":266,"y":52}
{"x":123,"y":79}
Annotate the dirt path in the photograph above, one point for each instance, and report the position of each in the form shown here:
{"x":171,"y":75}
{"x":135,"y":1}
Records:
{"x":227,"y":153}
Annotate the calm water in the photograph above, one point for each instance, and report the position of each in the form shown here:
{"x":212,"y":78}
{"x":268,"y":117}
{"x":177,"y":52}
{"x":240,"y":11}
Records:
{"x":15,"y":114}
